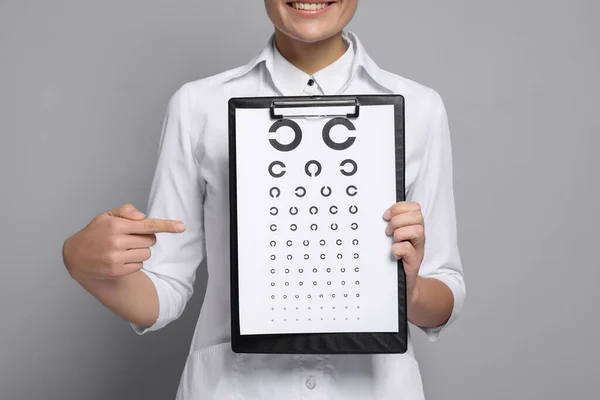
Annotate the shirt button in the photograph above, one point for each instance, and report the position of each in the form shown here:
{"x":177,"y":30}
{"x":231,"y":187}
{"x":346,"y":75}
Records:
{"x":311,"y":383}
{"x":311,"y":82}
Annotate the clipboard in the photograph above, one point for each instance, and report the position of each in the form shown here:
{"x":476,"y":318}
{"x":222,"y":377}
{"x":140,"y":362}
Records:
{"x":311,"y":268}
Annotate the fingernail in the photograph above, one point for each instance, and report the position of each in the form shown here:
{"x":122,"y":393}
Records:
{"x":141,"y":214}
{"x":387,"y":214}
{"x":180,"y":227}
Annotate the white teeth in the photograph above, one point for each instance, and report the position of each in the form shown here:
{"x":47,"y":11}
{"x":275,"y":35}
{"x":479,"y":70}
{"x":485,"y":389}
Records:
{"x":309,"y":7}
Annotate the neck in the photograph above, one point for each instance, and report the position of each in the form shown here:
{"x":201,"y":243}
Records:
{"x":310,"y":57}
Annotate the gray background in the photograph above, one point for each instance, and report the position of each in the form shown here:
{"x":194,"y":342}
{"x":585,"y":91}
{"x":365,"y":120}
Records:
{"x":83,"y":89}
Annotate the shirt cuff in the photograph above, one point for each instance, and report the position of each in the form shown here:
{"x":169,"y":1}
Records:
{"x":163,"y":303}
{"x":457,"y":286}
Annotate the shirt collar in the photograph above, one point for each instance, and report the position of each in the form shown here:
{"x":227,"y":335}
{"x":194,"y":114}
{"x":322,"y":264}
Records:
{"x":360,"y":61}
{"x":330,"y":79}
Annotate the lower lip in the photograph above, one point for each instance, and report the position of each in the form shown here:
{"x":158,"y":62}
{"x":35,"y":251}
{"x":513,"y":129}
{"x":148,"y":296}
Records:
{"x":311,"y":13}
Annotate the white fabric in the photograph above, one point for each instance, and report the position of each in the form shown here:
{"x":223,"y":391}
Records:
{"x":191,"y":184}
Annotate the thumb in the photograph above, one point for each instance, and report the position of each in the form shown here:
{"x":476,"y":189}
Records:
{"x":127,"y":211}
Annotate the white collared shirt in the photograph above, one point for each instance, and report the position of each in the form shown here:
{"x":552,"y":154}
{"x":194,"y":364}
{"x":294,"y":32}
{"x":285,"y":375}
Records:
{"x":191,"y":184}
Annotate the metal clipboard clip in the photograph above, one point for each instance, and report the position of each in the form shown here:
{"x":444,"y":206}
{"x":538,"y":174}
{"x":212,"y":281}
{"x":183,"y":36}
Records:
{"x":312,"y":107}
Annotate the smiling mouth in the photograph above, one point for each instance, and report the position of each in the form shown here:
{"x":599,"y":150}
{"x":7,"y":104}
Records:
{"x":310,"y":6}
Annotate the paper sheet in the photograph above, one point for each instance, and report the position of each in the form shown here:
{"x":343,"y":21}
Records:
{"x":312,"y":249}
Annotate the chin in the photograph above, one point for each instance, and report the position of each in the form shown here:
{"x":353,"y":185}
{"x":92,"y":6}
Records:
{"x":312,"y":20}
{"x":312,"y":34}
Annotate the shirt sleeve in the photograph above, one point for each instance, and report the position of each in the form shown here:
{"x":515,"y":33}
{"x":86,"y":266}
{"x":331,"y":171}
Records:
{"x":433,"y":190}
{"x":177,"y":193}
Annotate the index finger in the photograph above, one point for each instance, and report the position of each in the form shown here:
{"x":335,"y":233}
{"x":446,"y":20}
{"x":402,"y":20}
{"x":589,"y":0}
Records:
{"x":155,"y":225}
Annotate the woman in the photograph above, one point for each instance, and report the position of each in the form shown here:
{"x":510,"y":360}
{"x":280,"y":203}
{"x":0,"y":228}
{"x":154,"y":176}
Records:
{"x":310,"y":54}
